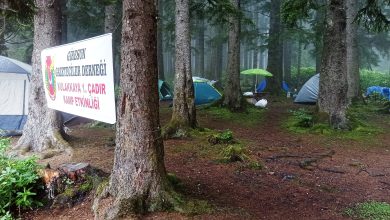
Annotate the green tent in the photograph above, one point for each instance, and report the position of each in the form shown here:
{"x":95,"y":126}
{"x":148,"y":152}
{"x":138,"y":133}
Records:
{"x":164,"y":91}
{"x":205,"y":92}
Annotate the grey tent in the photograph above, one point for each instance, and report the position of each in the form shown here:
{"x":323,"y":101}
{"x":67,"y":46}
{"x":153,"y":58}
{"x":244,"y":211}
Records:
{"x":14,"y":87}
{"x":14,"y":93}
{"x":309,"y":91}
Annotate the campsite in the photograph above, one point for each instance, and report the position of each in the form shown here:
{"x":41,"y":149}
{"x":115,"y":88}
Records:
{"x":145,"y":109}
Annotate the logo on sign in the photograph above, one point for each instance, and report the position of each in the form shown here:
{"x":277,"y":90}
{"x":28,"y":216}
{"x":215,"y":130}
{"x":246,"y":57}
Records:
{"x":50,"y":78}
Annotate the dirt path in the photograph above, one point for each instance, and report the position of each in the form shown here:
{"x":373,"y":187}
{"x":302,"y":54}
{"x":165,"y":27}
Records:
{"x":305,"y":176}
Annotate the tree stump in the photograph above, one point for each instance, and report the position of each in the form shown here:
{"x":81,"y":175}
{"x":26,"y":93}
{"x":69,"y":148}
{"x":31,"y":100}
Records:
{"x":75,"y":171}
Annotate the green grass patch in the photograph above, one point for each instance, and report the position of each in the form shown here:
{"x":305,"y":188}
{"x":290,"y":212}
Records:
{"x":370,"y":211}
{"x":250,"y":117}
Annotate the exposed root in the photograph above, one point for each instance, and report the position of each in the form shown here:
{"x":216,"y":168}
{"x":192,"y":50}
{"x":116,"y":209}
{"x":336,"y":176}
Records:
{"x":106,"y":206}
{"x":45,"y":147}
{"x":175,"y":130}
{"x":309,"y":162}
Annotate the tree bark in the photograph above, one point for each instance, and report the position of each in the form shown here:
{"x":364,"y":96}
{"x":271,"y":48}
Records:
{"x":275,"y":50}
{"x":319,"y":33}
{"x":43,"y":131}
{"x":160,"y":51}
{"x":64,"y":22}
{"x":352,"y":51}
{"x":110,"y":23}
{"x":138,"y":181}
{"x":233,"y":97}
{"x":333,"y":76}
{"x":3,"y":48}
{"x":109,"y":18}
{"x":184,"y":112}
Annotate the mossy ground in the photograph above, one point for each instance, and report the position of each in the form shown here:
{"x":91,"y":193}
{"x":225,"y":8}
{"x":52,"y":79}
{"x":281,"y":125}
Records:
{"x":371,"y":210}
{"x":185,"y":205}
{"x":362,"y":120}
{"x":226,"y":149}
{"x":250,"y":117}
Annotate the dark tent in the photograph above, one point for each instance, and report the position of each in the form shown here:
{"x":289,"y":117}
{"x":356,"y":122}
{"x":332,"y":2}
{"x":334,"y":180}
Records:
{"x":164,"y":91}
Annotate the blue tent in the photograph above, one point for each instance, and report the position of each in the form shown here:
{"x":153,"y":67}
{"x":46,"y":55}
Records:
{"x":262,"y":85}
{"x":309,"y":91}
{"x":14,"y":89}
{"x":383,"y":91}
{"x":205,"y":92}
{"x":285,"y":87}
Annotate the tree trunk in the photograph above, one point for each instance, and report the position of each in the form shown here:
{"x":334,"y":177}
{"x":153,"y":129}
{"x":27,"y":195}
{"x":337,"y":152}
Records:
{"x":199,"y":58}
{"x":352,"y":51}
{"x":64,"y":22}
{"x":287,"y":60}
{"x":255,"y":62}
{"x":3,"y":48}
{"x":275,"y":49}
{"x":160,"y":57}
{"x":138,"y":181}
{"x":43,"y":131}
{"x":219,"y":61}
{"x":319,"y":33}
{"x":333,"y":81}
{"x":299,"y":63}
{"x":109,"y":19}
{"x":184,"y":112}
{"x":110,"y":22}
{"x":233,"y":97}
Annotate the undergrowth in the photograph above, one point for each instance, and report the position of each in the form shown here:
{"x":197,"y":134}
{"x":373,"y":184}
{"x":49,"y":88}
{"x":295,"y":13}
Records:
{"x":360,"y":119}
{"x":219,"y":146}
{"x":369,"y":210}
{"x":19,"y":183}
{"x":233,"y":153}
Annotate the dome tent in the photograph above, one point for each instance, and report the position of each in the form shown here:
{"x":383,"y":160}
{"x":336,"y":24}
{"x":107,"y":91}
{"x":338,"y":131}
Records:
{"x":14,"y":89}
{"x":309,"y":91}
{"x":205,"y":92}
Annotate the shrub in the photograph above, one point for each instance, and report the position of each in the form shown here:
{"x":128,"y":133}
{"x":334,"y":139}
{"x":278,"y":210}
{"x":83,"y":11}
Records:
{"x":18,"y":180}
{"x":225,"y":137}
{"x":303,"y":118}
{"x":373,"y":78}
{"x":233,"y":153}
{"x":305,"y":74}
{"x":386,"y":107}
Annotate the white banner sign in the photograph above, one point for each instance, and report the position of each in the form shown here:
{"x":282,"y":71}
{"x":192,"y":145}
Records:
{"x":79,"y":78}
